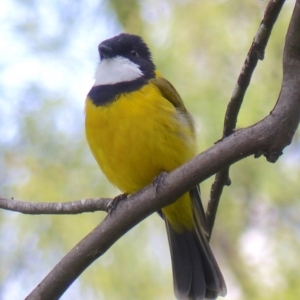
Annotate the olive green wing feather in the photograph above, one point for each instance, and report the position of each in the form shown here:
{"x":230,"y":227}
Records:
{"x":169,"y":92}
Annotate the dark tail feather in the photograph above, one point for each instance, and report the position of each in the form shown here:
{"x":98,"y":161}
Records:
{"x":196,"y":274}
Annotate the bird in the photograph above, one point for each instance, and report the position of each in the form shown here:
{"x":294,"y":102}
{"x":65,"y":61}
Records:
{"x":137,"y":127}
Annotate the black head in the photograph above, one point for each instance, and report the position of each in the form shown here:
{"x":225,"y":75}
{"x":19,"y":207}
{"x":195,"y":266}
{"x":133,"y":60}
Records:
{"x":131,"y":47}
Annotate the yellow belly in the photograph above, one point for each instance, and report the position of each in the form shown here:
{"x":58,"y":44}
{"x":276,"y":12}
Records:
{"x":137,"y":137}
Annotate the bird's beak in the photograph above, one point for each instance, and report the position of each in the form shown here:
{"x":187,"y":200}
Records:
{"x":104,"y":51}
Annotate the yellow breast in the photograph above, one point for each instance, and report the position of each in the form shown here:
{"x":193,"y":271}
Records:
{"x":137,"y":136}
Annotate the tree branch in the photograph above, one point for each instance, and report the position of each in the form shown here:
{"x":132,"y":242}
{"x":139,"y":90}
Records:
{"x":56,"y":208}
{"x":267,"y":137}
{"x":256,"y":52}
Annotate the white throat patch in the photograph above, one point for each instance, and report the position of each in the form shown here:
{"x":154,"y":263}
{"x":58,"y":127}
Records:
{"x":115,"y":70}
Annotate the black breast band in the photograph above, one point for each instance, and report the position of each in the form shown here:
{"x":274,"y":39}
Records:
{"x":104,"y":94}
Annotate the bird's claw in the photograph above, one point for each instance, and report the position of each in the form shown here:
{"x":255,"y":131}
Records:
{"x":159,"y":181}
{"x":114,"y":203}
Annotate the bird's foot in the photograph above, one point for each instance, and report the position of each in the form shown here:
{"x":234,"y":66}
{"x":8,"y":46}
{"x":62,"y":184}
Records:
{"x":159,"y":181}
{"x":114,"y":203}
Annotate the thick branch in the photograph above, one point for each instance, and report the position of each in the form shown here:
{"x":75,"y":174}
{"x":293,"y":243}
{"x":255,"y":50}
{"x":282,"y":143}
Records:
{"x":55,"y":208}
{"x":267,"y":137}
{"x":255,"y":53}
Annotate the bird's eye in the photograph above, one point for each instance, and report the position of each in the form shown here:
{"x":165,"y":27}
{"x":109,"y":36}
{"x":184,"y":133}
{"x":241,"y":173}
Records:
{"x":134,"y":53}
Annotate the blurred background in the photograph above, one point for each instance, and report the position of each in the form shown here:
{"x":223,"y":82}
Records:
{"x":48,"y":56}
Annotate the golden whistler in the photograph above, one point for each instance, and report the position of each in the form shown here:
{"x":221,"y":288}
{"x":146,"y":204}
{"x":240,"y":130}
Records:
{"x":137,"y":127}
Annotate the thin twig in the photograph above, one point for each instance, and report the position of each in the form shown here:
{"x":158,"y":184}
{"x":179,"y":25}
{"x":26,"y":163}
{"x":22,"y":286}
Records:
{"x":256,"y":52}
{"x":56,"y":208}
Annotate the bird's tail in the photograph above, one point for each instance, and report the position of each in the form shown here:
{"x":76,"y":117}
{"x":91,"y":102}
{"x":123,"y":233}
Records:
{"x":196,"y":274}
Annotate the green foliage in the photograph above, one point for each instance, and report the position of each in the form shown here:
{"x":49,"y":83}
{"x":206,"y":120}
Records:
{"x":47,"y":64}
